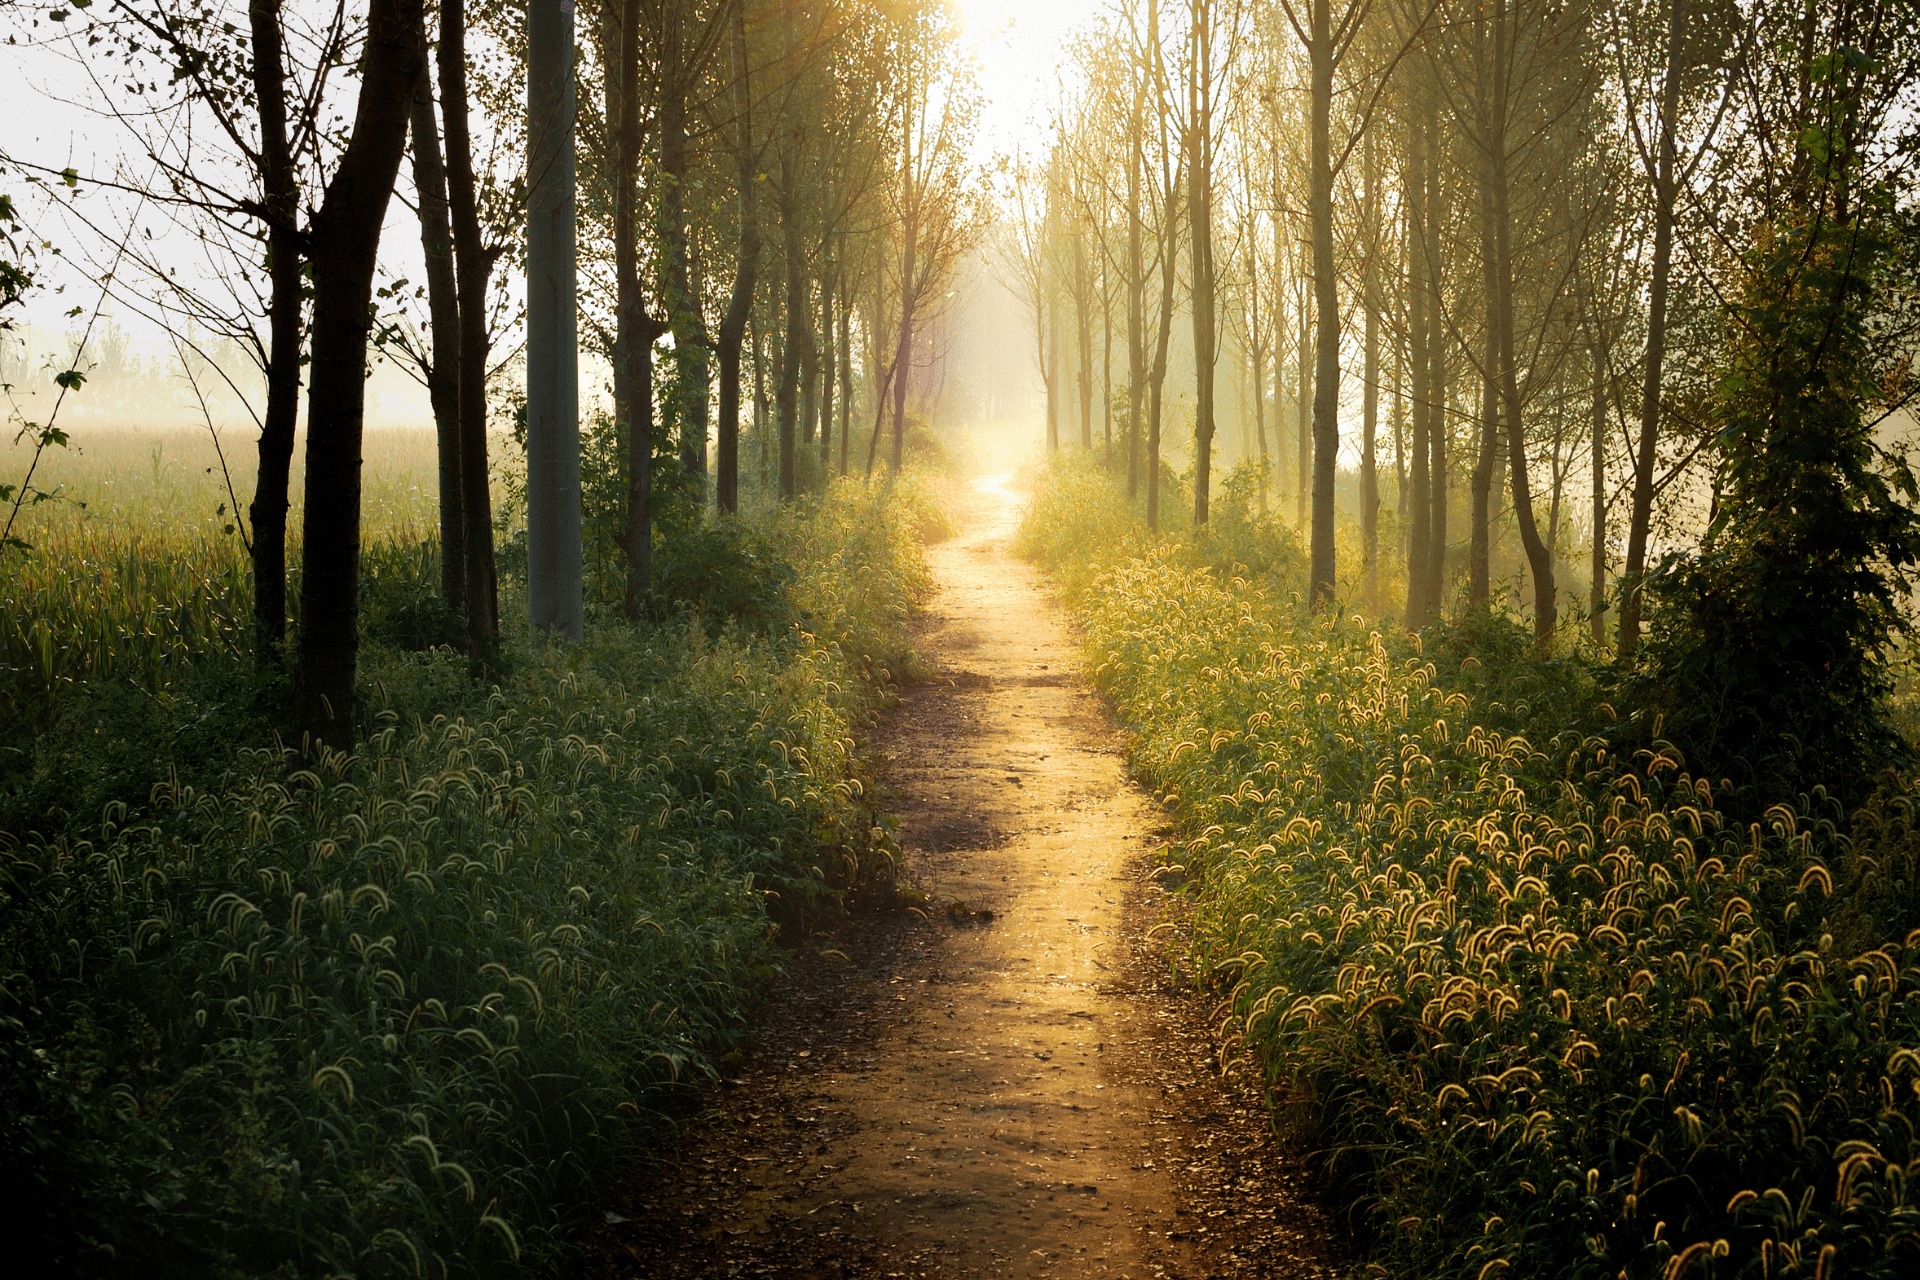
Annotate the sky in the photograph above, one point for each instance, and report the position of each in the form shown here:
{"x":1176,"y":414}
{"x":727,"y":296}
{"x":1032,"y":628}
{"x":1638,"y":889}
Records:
{"x":1021,"y":46}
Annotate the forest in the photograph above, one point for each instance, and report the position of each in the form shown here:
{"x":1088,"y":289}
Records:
{"x":590,"y":592}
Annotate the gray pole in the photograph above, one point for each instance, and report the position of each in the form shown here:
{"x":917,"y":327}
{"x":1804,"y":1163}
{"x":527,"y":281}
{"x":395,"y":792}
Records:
{"x":553,"y":392}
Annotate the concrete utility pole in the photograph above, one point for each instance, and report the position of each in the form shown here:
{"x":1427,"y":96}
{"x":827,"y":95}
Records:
{"x":553,"y":390}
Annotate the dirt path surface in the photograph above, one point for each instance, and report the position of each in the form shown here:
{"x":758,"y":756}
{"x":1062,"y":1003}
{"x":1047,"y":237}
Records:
{"x":1009,"y":1086}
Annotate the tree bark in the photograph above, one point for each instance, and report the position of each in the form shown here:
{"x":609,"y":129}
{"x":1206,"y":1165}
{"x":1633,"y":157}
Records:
{"x":691,"y":341}
{"x":1646,"y":451}
{"x":1136,"y":286}
{"x":281,"y":192}
{"x":1083,"y":322}
{"x":1479,"y":558}
{"x":1597,"y":587}
{"x":473,"y":265}
{"x":1439,"y":428}
{"x":846,"y":375}
{"x":1157,"y":381}
{"x":826,"y":371}
{"x":1369,"y":377}
{"x":346,"y":246}
{"x":909,"y":287}
{"x":1418,"y":512}
{"x":1200,"y":231}
{"x":635,"y":331}
{"x":1539,"y":554}
{"x":733,"y":326}
{"x":1326,"y":383}
{"x":1303,"y":398}
{"x":1258,"y":339}
{"x":555,"y":585}
{"x":793,"y":353}
{"x":443,"y":374}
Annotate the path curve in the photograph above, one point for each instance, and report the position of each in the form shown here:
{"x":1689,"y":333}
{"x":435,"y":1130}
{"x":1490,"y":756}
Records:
{"x":1009,"y":1087}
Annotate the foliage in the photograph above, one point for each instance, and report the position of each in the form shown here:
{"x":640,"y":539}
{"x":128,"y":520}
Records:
{"x":1545,"y":1008}
{"x":1769,"y":657}
{"x":15,"y":278}
{"x":395,"y":1014}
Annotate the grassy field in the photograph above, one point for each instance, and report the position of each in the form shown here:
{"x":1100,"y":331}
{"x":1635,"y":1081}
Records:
{"x":1543,"y":1005}
{"x":397,"y":1014}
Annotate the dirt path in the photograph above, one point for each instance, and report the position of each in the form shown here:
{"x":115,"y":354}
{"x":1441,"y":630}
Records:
{"x":1010,"y":1087}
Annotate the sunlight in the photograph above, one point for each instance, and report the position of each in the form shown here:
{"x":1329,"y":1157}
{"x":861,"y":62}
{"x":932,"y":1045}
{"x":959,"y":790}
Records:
{"x":1023,"y":53}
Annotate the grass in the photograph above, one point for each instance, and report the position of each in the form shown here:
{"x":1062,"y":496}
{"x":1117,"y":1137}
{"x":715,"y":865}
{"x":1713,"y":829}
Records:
{"x":1543,"y":1008}
{"x":401,"y":1013}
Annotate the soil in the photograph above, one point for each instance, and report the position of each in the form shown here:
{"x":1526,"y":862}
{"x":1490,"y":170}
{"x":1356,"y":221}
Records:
{"x":1011,"y":1081}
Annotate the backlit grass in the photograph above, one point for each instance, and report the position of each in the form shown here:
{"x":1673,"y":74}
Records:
{"x":1545,"y":1009}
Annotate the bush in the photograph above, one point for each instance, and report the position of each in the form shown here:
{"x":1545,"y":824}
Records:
{"x":723,"y":572}
{"x":1769,"y":650}
{"x":1545,"y":1009}
{"x":395,"y":1014}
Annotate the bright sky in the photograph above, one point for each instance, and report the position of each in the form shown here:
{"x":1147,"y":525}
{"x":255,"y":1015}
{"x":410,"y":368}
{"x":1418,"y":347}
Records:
{"x":1022,"y":50}
{"x":1020,"y":47}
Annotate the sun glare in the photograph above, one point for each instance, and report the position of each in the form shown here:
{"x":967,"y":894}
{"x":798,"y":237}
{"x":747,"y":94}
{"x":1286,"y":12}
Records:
{"x":1022,"y":48}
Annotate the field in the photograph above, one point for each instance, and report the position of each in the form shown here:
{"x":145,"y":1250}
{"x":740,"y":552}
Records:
{"x":397,"y":1014}
{"x":1544,"y":1004}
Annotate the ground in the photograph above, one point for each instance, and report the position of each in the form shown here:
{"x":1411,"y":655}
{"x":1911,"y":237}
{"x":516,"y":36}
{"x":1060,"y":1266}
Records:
{"x":1012,"y":1081}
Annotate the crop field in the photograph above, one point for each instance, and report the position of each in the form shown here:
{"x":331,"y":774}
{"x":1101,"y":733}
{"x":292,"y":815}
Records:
{"x":397,"y":1013}
{"x":1543,"y":1006}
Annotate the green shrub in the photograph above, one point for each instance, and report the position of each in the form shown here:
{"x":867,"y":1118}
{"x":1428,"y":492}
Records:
{"x":397,"y":1014}
{"x":1545,"y":1010}
{"x":727,"y":571}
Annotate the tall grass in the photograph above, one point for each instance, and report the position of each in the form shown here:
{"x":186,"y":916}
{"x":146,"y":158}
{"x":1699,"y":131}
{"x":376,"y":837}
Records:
{"x":395,"y":1014}
{"x":138,"y":571}
{"x":1544,"y":1009}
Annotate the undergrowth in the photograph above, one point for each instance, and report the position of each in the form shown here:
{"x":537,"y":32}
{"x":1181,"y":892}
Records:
{"x":1543,"y":1006}
{"x":394,"y":1014}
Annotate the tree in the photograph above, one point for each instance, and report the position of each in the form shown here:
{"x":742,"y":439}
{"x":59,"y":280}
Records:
{"x":345,"y":244}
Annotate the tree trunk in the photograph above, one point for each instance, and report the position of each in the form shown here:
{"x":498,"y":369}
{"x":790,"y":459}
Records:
{"x":1439,"y":427}
{"x":1157,"y":380}
{"x":1257,"y":359}
{"x":826,"y":371}
{"x":733,"y":326}
{"x":1539,"y":555}
{"x":1646,"y":451}
{"x":1418,"y":512}
{"x":846,"y":372}
{"x":635,"y":331}
{"x":1200,"y":229}
{"x":1326,"y":382}
{"x":346,"y":246}
{"x":1303,"y":399}
{"x":443,"y":374}
{"x":1369,"y":378}
{"x":1136,"y":289}
{"x":555,"y":602}
{"x":1106,"y":357}
{"x":1083,"y":322}
{"x":281,"y":196}
{"x":793,"y":354}
{"x":1597,"y":587}
{"x":1479,"y":559}
{"x":1049,"y":337}
{"x":691,"y":341}
{"x":473,"y":265}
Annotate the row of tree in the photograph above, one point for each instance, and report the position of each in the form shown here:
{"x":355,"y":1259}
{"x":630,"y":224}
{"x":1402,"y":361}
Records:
{"x":785,"y":187}
{"x":1521,"y":226}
